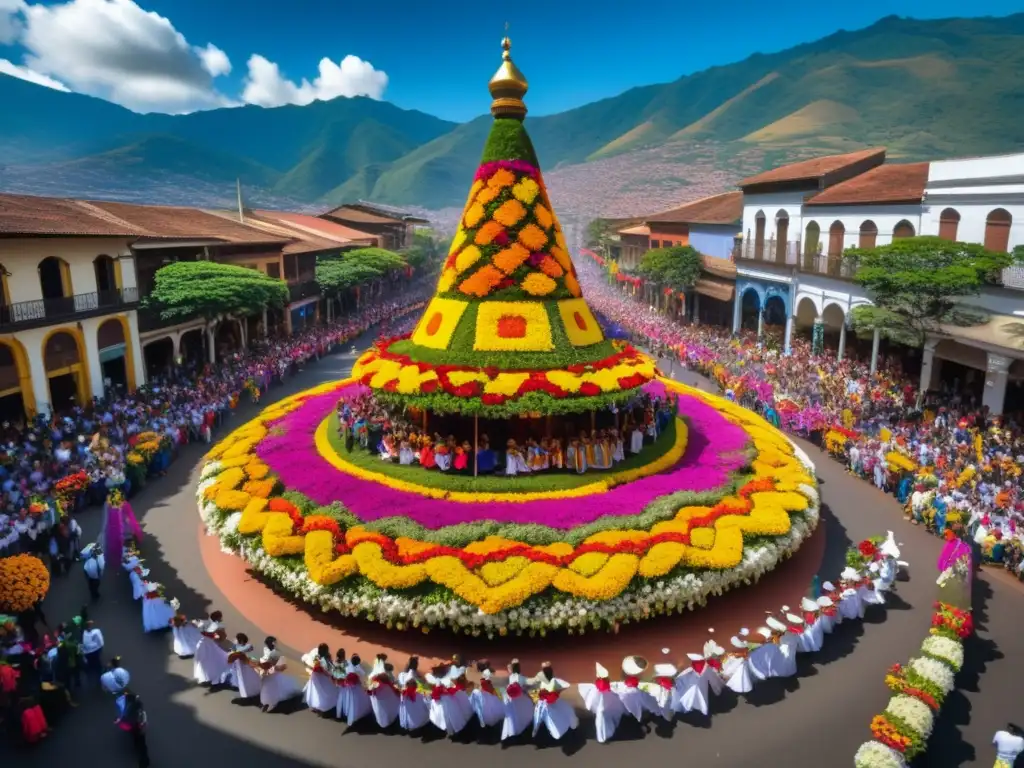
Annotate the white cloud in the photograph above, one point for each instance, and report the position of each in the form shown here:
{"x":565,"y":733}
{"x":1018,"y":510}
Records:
{"x":24,"y":73}
{"x":10,"y":24}
{"x":116,"y":50}
{"x":214,"y":60}
{"x":267,"y":87}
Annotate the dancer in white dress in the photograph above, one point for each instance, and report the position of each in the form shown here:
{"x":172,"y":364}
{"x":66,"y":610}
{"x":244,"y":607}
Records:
{"x":353,"y":699}
{"x":186,"y":634}
{"x":210,"y":662}
{"x":414,"y":708}
{"x":703,"y":677}
{"x":787,"y":643}
{"x":662,"y":687}
{"x":489,"y":709}
{"x":445,"y":712}
{"x":634,"y":698}
{"x":137,"y":575}
{"x":241,"y":672}
{"x":458,"y":686}
{"x":603,"y":703}
{"x":636,"y":440}
{"x":340,"y":673}
{"x":276,"y":685}
{"x":320,"y":693}
{"x":828,"y":614}
{"x":518,"y":707}
{"x":553,"y":712}
{"x":737,"y":669}
{"x":850,"y":604}
{"x":618,"y":454}
{"x":766,"y":659}
{"x":813,"y":635}
{"x":384,"y":700}
{"x":156,"y":613}
{"x":867,"y":591}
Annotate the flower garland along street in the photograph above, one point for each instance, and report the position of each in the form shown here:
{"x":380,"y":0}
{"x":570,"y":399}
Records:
{"x":919,"y":689}
{"x":741,"y":499}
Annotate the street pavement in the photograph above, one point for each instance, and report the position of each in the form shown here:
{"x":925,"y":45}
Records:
{"x":818,"y":718}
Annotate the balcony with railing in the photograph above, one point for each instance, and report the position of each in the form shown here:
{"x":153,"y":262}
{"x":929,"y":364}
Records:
{"x":1013,"y":277}
{"x":828,"y":266}
{"x":41,"y":312}
{"x":779,"y":252}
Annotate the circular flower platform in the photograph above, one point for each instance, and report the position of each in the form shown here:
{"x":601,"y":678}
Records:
{"x":724,"y":502}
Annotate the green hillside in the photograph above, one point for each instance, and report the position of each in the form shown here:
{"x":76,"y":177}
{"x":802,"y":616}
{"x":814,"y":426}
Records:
{"x":924,"y":89}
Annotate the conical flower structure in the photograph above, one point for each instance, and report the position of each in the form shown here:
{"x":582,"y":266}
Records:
{"x":508,"y":330}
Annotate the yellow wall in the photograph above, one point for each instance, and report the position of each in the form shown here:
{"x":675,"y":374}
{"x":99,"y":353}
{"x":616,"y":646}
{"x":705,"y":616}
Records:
{"x":21,"y":257}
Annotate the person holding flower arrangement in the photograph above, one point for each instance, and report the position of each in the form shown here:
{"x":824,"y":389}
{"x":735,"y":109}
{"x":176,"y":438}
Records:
{"x":242,"y":672}
{"x":414,"y":708}
{"x":320,"y":692}
{"x":276,"y":686}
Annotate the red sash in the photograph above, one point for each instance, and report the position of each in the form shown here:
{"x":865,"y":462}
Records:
{"x":351,"y":679}
{"x":796,"y":630}
{"x":382,"y":681}
{"x":632,"y":681}
{"x":810,"y":618}
{"x":458,"y":686}
{"x":548,"y":697}
{"x":487,"y":687}
{"x":209,"y":635}
{"x":410,"y":690}
{"x":698,"y":666}
{"x":602,"y":685}
{"x":830,"y":611}
{"x":514,"y":691}
{"x":665,"y":682}
{"x":439,"y":692}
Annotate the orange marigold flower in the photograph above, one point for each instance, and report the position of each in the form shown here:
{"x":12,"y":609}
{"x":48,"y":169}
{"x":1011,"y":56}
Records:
{"x":481,"y":282}
{"x":487,"y":194}
{"x":538,"y":284}
{"x":543,"y":216}
{"x":560,"y":256}
{"x":501,"y":178}
{"x":509,"y":259}
{"x":551,"y":268}
{"x":533,"y":237}
{"x":572,"y":284}
{"x":488,"y":232}
{"x":474,"y":213}
{"x":510,"y":212}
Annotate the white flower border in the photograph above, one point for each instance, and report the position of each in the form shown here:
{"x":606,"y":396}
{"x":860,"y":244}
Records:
{"x":636,"y":603}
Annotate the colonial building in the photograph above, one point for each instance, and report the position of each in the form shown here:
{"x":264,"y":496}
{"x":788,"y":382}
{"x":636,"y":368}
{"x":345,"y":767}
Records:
{"x":392,"y":226}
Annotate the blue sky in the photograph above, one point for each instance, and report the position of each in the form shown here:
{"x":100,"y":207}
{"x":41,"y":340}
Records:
{"x":437,"y":56}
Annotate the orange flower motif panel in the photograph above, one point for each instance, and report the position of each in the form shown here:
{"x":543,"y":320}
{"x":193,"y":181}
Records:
{"x":501,"y":178}
{"x":513,"y":326}
{"x":509,"y":259}
{"x":488,"y":232}
{"x":482,"y":282}
{"x":533,"y":237}
{"x":550,"y":267}
{"x":509,"y":213}
{"x":543,"y":216}
{"x":487,"y":194}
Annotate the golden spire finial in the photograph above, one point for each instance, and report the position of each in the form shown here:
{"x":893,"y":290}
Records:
{"x":508,"y":86}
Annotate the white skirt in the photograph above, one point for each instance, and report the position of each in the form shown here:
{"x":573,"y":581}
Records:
{"x":812,"y":638}
{"x":321,"y":692}
{"x":448,"y":715}
{"x":210,"y":662}
{"x":786,"y":666}
{"x":765,"y":661}
{"x":559,"y":718}
{"x":413,"y":712}
{"x":488,"y":708}
{"x":156,"y":615}
{"x":740,"y":680}
{"x":607,"y":709}
{"x":691,"y":693}
{"x":636,"y":702}
{"x":277,"y":687}
{"x":246,"y":679}
{"x":518,"y":715}
{"x":385,"y":704}
{"x":850,"y":607}
{"x":138,"y":586}
{"x":186,"y":638}
{"x":354,"y":702}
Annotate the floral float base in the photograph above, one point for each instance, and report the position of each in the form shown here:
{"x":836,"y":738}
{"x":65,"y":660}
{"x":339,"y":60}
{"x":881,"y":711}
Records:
{"x":727,"y":506}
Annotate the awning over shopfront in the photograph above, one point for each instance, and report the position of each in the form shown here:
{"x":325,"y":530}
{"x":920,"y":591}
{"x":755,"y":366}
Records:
{"x":715,"y":289}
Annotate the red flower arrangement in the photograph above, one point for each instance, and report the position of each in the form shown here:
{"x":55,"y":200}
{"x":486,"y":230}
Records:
{"x":72,"y":484}
{"x":867,"y":549}
{"x":952,"y":622}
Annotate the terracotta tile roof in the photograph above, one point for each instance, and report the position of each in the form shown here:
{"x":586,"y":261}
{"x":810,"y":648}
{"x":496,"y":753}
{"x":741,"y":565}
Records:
{"x":331,"y":230}
{"x":815,"y":168}
{"x":31,"y":215}
{"x":896,"y":183}
{"x":349,"y":213}
{"x":642,"y":229}
{"x":177,"y":222}
{"x":717,"y":209}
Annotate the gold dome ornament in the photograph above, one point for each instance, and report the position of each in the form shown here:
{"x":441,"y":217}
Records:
{"x":508,"y":86}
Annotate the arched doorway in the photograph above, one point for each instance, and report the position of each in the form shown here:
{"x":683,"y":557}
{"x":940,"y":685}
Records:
{"x":949,"y":222}
{"x":812,"y":238}
{"x":106,"y":275}
{"x":116,"y":359}
{"x":868,"y":234}
{"x":227,"y":338}
{"x":902,"y":230}
{"x":759,"y":235}
{"x":997,"y":230}
{"x":750,"y":308}
{"x":159,"y":357}
{"x":17,"y":400}
{"x":774,"y":311}
{"x":806,"y":312}
{"x":192,"y":347}
{"x":64,"y":360}
{"x":55,"y":278}
{"x":836,"y":236}
{"x":781,"y":235}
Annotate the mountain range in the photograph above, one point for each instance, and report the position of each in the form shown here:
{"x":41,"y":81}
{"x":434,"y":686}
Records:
{"x":924,"y":89}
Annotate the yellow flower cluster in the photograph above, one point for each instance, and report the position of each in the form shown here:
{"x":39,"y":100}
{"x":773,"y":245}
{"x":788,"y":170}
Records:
{"x":538,"y":284}
{"x":897,"y":460}
{"x":24,"y":581}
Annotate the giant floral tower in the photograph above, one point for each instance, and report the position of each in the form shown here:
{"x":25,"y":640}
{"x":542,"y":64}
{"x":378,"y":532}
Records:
{"x":508,"y":330}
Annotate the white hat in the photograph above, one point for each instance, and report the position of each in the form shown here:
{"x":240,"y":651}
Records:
{"x":737,"y":643}
{"x":828,"y":586}
{"x":486,"y":674}
{"x":811,"y":606}
{"x":793,"y":619}
{"x":600,"y":671}
{"x":775,"y":624}
{"x":634,"y":665}
{"x":712,"y":649}
{"x":744,"y":632}
{"x":696,"y":656}
{"x":785,"y":608}
{"x":849,"y":574}
{"x":825,"y":602}
{"x":665,"y":670}
{"x":764,"y":632}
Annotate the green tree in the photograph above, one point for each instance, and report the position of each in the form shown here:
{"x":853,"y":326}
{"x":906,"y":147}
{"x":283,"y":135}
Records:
{"x":677,"y":266}
{"x":210,"y":290}
{"x":337,"y":274}
{"x":599,"y":234}
{"x":425,"y":249}
{"x":918,"y":283}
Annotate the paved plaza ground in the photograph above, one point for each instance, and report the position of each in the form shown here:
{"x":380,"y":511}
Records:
{"x":818,"y":718}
